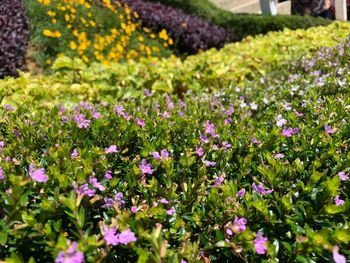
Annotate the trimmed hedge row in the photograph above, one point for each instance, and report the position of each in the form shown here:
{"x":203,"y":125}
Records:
{"x":14,"y":35}
{"x":190,"y":33}
{"x":242,"y":25}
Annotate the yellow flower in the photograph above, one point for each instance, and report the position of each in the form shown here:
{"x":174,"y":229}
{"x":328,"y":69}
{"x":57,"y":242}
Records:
{"x":51,"y":13}
{"x":163,"y":35}
{"x":170,"y":41}
{"x":73,"y":45}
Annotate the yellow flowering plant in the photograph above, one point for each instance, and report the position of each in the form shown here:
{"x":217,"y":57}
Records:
{"x":93,"y":31}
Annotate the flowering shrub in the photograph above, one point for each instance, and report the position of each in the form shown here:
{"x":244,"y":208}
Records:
{"x":156,"y":178}
{"x":190,"y":33}
{"x":14,"y":35}
{"x":92,"y":30}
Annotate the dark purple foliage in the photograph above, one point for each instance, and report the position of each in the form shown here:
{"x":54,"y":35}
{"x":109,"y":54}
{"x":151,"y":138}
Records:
{"x":189,"y":33}
{"x":14,"y":36}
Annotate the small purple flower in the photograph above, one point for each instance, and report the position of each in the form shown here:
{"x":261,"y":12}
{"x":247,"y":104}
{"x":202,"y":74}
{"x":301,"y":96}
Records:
{"x":74,"y":153}
{"x":226,"y":145}
{"x":108,"y":175}
{"x":2,"y":145}
{"x":240,"y":224}
{"x":289,"y":132}
{"x":108,"y":202}
{"x":183,"y":261}
{"x":111,"y":149}
{"x":171,"y":211}
{"x":215,"y":147}
{"x":118,"y":198}
{"x":280,"y":121}
{"x":147,"y":93}
{"x":126,"y":237}
{"x":343,"y":176}
{"x":140,"y":122}
{"x":81,"y":121}
{"x":71,"y":255}
{"x":219,"y":180}
{"x":209,"y":163}
{"x":328,"y":129}
{"x":1,"y":174}
{"x":260,"y":243}
{"x":164,"y":201}
{"x":145,"y":168}
{"x":64,"y":119}
{"x":134,"y":209}
{"x":241,"y":193}
{"x":156,"y":155}
{"x":199,"y":151}
{"x":254,"y":140}
{"x":279,"y":156}
{"x":9,"y":107}
{"x":338,"y":258}
{"x":165,"y":154}
{"x":83,"y":189}
{"x":96,"y":115}
{"x":37,"y":175}
{"x":261,"y":189}
{"x":204,"y":139}
{"x":210,"y":129}
{"x":96,"y":184}
{"x":338,"y":201}
{"x":110,"y":236}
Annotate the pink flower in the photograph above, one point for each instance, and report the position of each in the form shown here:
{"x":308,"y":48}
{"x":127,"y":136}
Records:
{"x":164,"y":201}
{"x":81,"y":121}
{"x":111,"y":149}
{"x":96,"y":184}
{"x":279,"y":156}
{"x":240,"y":224}
{"x":343,"y":176}
{"x":140,"y":122}
{"x":338,"y":201}
{"x":204,"y":139}
{"x":147,"y":93}
{"x":254,"y":140}
{"x":145,"y":167}
{"x":260,"y":243}
{"x":219,"y":180}
{"x":226,"y":145}
{"x":289,"y":132}
{"x":126,"y":237}
{"x":110,"y":236}
{"x":37,"y":175}
{"x":209,"y":163}
{"x":156,"y":155}
{"x":134,"y":209}
{"x":165,"y":154}
{"x":210,"y":129}
{"x":338,"y":258}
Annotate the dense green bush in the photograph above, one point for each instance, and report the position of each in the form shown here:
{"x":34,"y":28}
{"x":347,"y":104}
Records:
{"x":257,"y":172}
{"x":242,"y":25}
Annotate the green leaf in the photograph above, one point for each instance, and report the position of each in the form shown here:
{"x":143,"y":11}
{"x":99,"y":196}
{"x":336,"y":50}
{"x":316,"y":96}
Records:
{"x":62,"y":62}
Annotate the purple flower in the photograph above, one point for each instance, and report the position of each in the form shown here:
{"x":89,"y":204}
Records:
{"x":164,"y":201}
{"x":241,"y":193}
{"x":165,"y":154}
{"x":126,"y":237}
{"x":118,"y":198}
{"x":328,"y":129}
{"x":338,"y":201}
{"x":240,"y":224}
{"x":145,"y":167}
{"x":215,"y":147}
{"x":219,"y":180}
{"x":260,"y":243}
{"x":210,"y":129}
{"x":338,"y":258}
{"x":140,"y":122}
{"x":74,"y":153}
{"x":156,"y":155}
{"x":254,"y":140}
{"x":110,"y":236}
{"x":9,"y":107}
{"x":83,"y":189}
{"x":279,"y":156}
{"x":204,"y":139}
{"x":134,"y":209}
{"x":226,"y":145}
{"x":183,"y":261}
{"x":108,"y":175}
{"x":343,"y":176}
{"x":261,"y":189}
{"x":95,"y":114}
{"x":171,"y":211}
{"x":70,"y":256}
{"x":2,"y":144}
{"x":289,"y":132}
{"x":209,"y":163}
{"x":81,"y":121}
{"x":96,"y":184}
{"x":147,"y":93}
{"x":111,"y":149}
{"x":108,"y":202}
{"x":1,"y":174}
{"x":37,"y":175}
{"x":280,"y":121}
{"x":199,"y":151}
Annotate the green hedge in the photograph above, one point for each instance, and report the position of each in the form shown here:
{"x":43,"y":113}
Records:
{"x":242,"y":25}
